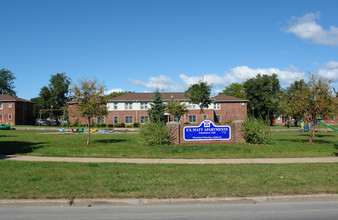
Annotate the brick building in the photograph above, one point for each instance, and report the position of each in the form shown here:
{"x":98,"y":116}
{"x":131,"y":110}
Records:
{"x":15,"y":111}
{"x":133,"y":107}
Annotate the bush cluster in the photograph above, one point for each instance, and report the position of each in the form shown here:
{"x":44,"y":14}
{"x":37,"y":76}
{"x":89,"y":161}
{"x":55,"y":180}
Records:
{"x":154,"y":134}
{"x":256,"y":131}
{"x":119,"y":125}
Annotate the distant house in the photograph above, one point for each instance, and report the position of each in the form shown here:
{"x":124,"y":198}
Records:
{"x":133,"y":108}
{"x":15,"y":111}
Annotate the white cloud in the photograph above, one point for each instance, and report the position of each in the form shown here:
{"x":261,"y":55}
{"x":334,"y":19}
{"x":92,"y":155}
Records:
{"x":161,"y":82}
{"x":237,"y":74}
{"x":306,"y":28}
{"x":113,"y":90}
{"x":330,"y":71}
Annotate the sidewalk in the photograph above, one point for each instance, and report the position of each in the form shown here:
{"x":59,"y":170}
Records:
{"x":173,"y":161}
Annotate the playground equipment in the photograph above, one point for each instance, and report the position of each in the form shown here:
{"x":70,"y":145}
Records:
{"x":5,"y":127}
{"x":305,"y":127}
{"x":49,"y":122}
{"x":334,"y":129}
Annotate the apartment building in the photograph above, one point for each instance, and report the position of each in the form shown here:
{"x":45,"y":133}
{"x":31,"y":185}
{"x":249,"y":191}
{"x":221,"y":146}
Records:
{"x":15,"y":111}
{"x":133,"y":108}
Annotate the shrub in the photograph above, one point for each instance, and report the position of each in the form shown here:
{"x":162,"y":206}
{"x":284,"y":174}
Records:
{"x":136,"y":125}
{"x":77,"y":124}
{"x":102,"y":125}
{"x":110,"y":125}
{"x":122,"y":125}
{"x":256,"y":131}
{"x":117,"y":125}
{"x":129,"y":126}
{"x":154,"y":134}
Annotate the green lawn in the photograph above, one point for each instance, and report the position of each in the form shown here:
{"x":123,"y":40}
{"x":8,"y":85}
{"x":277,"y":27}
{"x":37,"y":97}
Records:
{"x":108,"y":180}
{"x":42,"y":143}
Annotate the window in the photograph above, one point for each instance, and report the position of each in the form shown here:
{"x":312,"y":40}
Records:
{"x":116,"y":119}
{"x":218,"y":119}
{"x":192,"y":119}
{"x":177,"y":118}
{"x":10,"y":105}
{"x":205,"y":116}
{"x":129,"y":106}
{"x":144,"y":106}
{"x":144,"y":119}
{"x":217,"y":106}
{"x":0,"y":105}
{"x":100,"y":119}
{"x":9,"y":116}
{"x":115,"y":106}
{"x":128,"y":119}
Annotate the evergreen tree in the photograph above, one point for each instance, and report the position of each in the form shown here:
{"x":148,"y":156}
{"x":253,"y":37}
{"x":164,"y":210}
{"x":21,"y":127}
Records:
{"x":156,"y":113}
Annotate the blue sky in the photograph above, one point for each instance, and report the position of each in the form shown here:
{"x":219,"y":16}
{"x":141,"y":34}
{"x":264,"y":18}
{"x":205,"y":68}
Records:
{"x":140,"y":45}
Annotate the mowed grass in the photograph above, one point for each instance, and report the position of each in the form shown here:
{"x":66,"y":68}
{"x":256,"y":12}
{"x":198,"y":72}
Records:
{"x":49,"y":180}
{"x":284,"y":144}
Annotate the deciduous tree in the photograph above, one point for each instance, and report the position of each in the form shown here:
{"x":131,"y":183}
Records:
{"x":7,"y":82}
{"x":200,"y":94}
{"x":235,"y":90}
{"x":262,"y":93}
{"x":177,"y":109}
{"x":90,"y":100}
{"x":317,"y":101}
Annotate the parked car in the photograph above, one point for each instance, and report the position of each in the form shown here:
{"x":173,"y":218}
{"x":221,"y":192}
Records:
{"x":46,"y":122}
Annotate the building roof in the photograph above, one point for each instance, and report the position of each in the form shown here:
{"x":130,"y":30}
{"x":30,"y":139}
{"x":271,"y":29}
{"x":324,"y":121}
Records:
{"x":227,"y":98}
{"x":166,"y":96}
{"x":10,"y":98}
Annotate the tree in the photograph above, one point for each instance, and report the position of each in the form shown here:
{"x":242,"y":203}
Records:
{"x":262,"y":93}
{"x":235,"y":90}
{"x":156,"y":113}
{"x":290,"y":100}
{"x":59,"y":89}
{"x":116,"y":94}
{"x":316,"y":101}
{"x":90,"y":100}
{"x":44,"y":101}
{"x":199,"y":94}
{"x":177,"y":109}
{"x":7,"y":82}
{"x":55,"y":96}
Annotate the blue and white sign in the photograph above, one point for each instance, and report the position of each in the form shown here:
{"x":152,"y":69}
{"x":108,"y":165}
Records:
{"x":206,"y":131}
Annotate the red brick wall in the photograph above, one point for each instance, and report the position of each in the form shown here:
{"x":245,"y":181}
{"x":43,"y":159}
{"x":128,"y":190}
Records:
{"x":20,"y":115}
{"x":5,"y":111}
{"x":176,"y":134}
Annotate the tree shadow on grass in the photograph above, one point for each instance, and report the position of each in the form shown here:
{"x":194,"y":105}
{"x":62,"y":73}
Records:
{"x":108,"y":141}
{"x":336,"y":146}
{"x":14,"y":147}
{"x":305,"y":141}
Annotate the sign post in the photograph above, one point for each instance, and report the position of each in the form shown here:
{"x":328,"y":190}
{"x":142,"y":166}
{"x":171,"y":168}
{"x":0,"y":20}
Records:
{"x":207,"y":131}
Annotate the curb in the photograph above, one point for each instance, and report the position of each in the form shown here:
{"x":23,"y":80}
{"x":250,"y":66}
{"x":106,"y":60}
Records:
{"x":178,"y":201}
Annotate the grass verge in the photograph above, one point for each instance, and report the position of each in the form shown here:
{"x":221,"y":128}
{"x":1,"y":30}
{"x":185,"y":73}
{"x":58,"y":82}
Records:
{"x":284,"y":144}
{"x":49,"y":180}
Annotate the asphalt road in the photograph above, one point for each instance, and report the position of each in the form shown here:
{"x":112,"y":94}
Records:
{"x":273,"y":210}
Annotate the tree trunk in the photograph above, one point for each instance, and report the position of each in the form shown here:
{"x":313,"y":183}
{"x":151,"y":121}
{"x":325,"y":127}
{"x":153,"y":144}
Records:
{"x":310,"y":132}
{"x":88,"y":138}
